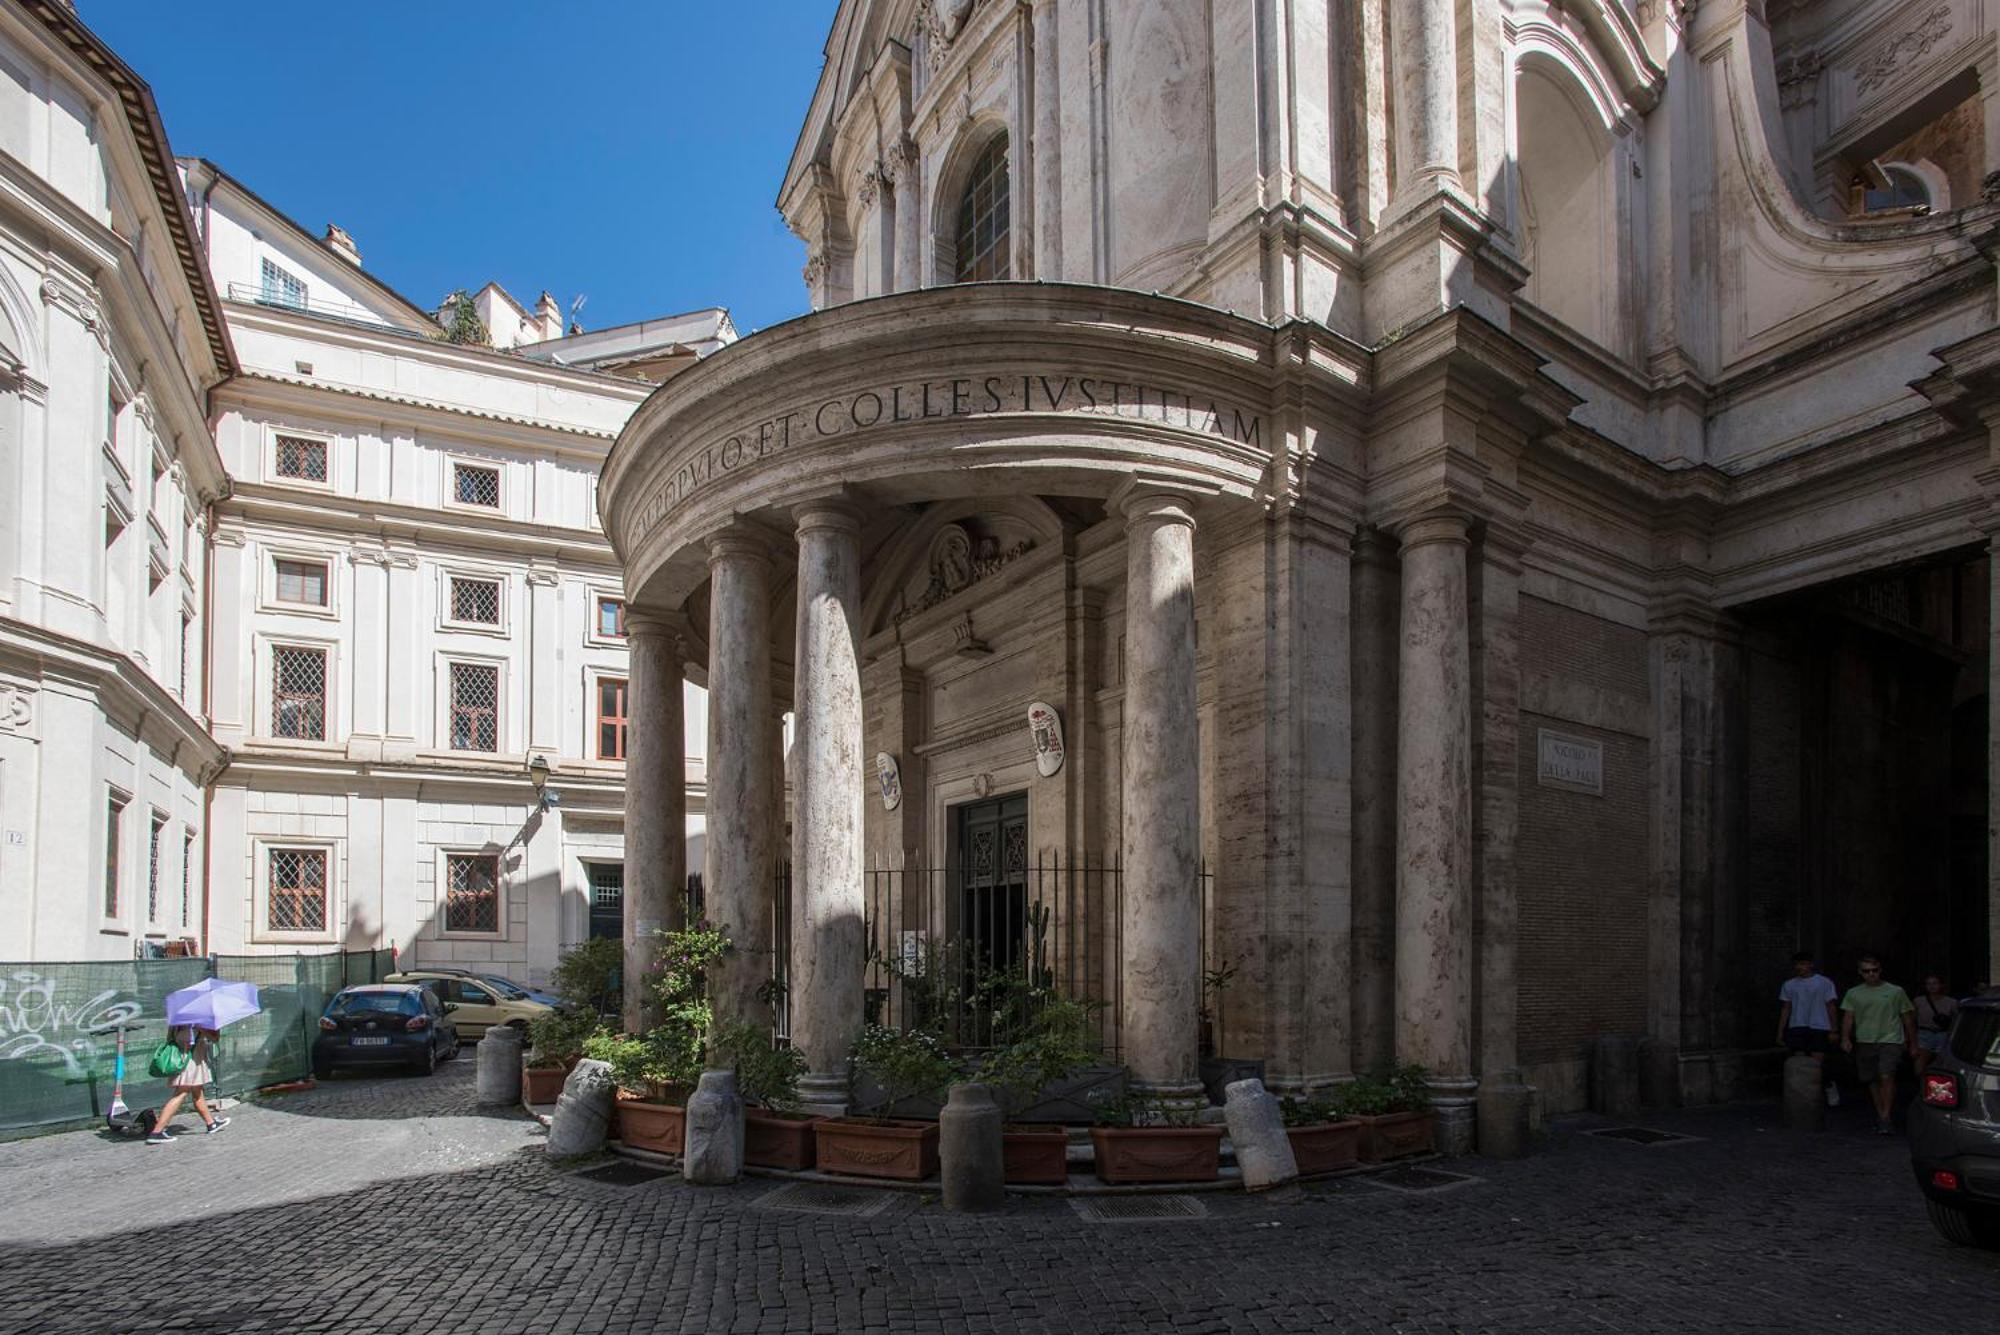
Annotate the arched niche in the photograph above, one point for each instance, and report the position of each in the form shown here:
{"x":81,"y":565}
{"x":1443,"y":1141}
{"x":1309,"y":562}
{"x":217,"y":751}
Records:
{"x":1568,"y":199}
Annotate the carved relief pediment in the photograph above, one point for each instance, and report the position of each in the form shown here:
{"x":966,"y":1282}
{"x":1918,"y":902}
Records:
{"x":960,"y":555}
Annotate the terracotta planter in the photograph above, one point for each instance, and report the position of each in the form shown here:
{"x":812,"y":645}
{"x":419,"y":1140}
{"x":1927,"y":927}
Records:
{"x":1157,"y":1153}
{"x":907,"y":1150}
{"x":775,"y":1140}
{"x":651,"y":1126}
{"x":1326,"y":1147}
{"x":542,"y":1084}
{"x":1037,"y":1155}
{"x":1395,"y":1135}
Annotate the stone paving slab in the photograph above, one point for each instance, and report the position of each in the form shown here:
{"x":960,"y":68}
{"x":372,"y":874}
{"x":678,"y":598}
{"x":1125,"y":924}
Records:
{"x":393,"y":1205}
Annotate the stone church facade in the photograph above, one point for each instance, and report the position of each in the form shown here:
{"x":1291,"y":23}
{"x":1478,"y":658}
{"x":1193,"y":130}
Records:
{"x":1496,"y":499}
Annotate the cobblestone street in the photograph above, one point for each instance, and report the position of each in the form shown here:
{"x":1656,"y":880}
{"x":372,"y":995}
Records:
{"x":395,"y":1205}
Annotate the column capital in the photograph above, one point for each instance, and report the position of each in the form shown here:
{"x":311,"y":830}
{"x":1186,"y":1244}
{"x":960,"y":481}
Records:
{"x":1146,"y":501}
{"x":738,"y":542}
{"x":641,"y":625}
{"x":831,"y":513}
{"x":1434,"y":526}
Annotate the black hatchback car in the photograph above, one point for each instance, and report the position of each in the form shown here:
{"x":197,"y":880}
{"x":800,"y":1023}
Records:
{"x":384,"y":1024}
{"x":1955,"y":1128}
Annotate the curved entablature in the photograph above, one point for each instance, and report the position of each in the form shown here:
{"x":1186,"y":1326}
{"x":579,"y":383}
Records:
{"x":1599,"y":45}
{"x":1004,"y":390}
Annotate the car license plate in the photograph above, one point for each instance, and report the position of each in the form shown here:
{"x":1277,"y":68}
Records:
{"x":371,"y":1042}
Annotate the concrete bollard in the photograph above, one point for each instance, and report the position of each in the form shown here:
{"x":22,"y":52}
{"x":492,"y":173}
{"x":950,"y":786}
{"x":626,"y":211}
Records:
{"x":1506,"y":1107}
{"x":1257,"y":1133}
{"x":498,"y":1074}
{"x":712,"y":1151}
{"x":970,"y":1159}
{"x":583,"y":1112}
{"x":1614,"y":1077}
{"x":1805,"y":1098}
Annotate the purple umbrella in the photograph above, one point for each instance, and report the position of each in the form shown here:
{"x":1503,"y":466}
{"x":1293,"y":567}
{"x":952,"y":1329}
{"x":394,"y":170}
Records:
{"x":212,"y":1003}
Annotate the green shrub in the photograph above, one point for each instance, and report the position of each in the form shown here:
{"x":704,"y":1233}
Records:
{"x":587,"y":975}
{"x":1401,"y":1089}
{"x":1051,"y":1043}
{"x":1129,"y":1109}
{"x":644,"y":1065}
{"x":767,"y":1073}
{"x":1308,"y":1111}
{"x":557,"y":1037}
{"x":907,"y":1064}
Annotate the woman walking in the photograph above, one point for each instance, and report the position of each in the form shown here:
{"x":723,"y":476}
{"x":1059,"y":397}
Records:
{"x":191,"y":1081}
{"x":1935,"y":1009}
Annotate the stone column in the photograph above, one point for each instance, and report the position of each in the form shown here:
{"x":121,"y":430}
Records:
{"x":828,"y":940}
{"x":738,"y":864}
{"x":1993,"y":752}
{"x":902,"y":161}
{"x":1423,"y":50}
{"x":1375,"y":581}
{"x":1434,"y":822}
{"x":1161,"y":791}
{"x":1047,"y":146}
{"x":655,"y":803}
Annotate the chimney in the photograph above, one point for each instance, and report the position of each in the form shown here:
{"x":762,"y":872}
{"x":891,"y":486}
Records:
{"x":340,"y":243}
{"x":549,"y":316}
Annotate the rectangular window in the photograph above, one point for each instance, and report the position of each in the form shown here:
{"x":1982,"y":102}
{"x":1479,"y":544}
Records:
{"x":607,"y":884}
{"x":114,"y":832}
{"x":610,"y":718}
{"x":153,"y":868}
{"x":472,"y":892}
{"x":475,"y":486}
{"x":281,"y":288}
{"x":187,"y":874}
{"x":301,"y":458}
{"x":298,"y":693}
{"x":297,"y":899}
{"x":302,"y":582}
{"x":475,"y":707}
{"x":475,"y":600}
{"x":611,"y":618}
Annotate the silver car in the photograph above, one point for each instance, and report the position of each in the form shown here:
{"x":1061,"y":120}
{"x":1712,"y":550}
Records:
{"x":1955,"y":1129}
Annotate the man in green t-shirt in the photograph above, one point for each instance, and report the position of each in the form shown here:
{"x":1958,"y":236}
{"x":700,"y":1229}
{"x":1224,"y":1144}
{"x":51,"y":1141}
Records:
{"x":1878,"y":1025}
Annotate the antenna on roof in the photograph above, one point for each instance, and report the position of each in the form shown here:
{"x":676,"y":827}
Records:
{"x":575,"y":309}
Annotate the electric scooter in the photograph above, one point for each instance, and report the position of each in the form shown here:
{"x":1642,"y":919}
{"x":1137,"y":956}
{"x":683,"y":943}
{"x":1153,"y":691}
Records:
{"x":120,"y":1120}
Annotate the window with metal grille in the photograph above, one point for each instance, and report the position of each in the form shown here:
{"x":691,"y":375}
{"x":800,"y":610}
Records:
{"x":297,"y":898}
{"x":475,"y":707}
{"x":298,"y":693}
{"x":607,"y":884}
{"x":281,"y":288}
{"x":302,"y":582}
{"x":610,"y":718}
{"x":187,"y":874}
{"x":153,"y":869}
{"x":471,"y":892}
{"x":475,"y":486}
{"x":611,"y":618}
{"x":301,"y":458}
{"x":982,"y":217}
{"x":475,"y":600}
{"x":187,"y":627}
{"x":114,"y":833}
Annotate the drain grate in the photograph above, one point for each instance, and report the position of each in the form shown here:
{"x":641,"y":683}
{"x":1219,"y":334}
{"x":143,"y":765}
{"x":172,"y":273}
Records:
{"x":1414,"y":1179}
{"x":624,"y":1173}
{"x":819,"y":1198}
{"x":1639,"y":1135}
{"x":1138,"y":1209}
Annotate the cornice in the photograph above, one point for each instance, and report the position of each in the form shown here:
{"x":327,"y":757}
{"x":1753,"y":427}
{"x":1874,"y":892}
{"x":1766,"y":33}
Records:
{"x":258,"y":388}
{"x":124,"y":690}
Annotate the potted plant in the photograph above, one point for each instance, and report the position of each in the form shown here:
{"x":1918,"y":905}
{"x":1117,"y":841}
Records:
{"x":555,"y":1044}
{"x":1322,"y":1139}
{"x":906,"y":1064}
{"x":1136,"y":1140}
{"x":587,"y":975}
{"x":655,"y":1070}
{"x":1051,"y":1043}
{"x":1394,"y":1111}
{"x":775,"y":1133}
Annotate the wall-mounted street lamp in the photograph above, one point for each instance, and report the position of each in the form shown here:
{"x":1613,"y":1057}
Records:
{"x":538,"y":774}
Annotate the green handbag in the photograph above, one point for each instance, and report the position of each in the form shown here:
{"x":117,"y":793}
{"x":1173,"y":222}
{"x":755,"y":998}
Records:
{"x":169,"y":1059}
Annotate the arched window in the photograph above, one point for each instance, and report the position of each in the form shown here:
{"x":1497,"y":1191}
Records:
{"x":1901,"y":188}
{"x":981,"y":241}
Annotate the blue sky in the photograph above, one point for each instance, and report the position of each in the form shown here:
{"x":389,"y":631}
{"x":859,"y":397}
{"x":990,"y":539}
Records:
{"x":629,"y":151}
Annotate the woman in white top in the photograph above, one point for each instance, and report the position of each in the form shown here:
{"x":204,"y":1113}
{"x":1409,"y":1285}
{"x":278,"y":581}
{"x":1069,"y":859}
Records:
{"x":191,"y":1081}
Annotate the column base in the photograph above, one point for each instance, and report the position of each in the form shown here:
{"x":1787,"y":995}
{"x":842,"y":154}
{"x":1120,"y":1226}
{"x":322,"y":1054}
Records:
{"x":1171,"y":1097}
{"x":1505,"y":1122}
{"x":824,"y":1093}
{"x":1456,"y":1102}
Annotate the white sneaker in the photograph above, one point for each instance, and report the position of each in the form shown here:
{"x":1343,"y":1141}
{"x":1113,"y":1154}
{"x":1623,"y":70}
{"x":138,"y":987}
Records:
{"x":1832,"y":1095}
{"x":160,"y":1138}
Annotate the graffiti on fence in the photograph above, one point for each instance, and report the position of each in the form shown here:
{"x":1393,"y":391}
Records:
{"x":34,"y":1021}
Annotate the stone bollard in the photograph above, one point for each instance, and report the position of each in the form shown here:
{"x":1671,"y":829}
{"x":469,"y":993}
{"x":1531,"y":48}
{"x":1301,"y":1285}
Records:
{"x":1659,"y":1073}
{"x":1257,"y":1132}
{"x":712,"y":1150}
{"x":1805,"y":1099}
{"x":499,"y":1066}
{"x":1614,"y":1077}
{"x":583,"y":1112}
{"x":970,"y":1160}
{"x":1506,"y":1109}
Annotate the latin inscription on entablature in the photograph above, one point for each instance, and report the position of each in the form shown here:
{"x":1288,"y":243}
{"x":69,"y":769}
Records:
{"x":944,"y":399}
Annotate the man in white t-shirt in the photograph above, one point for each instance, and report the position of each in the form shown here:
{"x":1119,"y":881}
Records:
{"x":1808,"y":1013}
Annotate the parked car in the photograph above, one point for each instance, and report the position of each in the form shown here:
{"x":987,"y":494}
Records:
{"x":1955,"y":1129}
{"x":384,"y":1024}
{"x":477,"y":1003}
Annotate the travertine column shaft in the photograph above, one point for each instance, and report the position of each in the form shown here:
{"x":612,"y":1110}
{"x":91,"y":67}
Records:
{"x":1434,"y":814}
{"x":828,"y":940}
{"x":1047,"y":145}
{"x":903,"y":160}
{"x":739,"y":865}
{"x":1162,"y":910}
{"x":1422,"y":48}
{"x":655,"y":805}
{"x":1993,"y":751}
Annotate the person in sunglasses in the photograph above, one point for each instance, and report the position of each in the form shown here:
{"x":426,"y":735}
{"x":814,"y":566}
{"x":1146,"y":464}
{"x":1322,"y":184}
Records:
{"x":1878,"y":1025}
